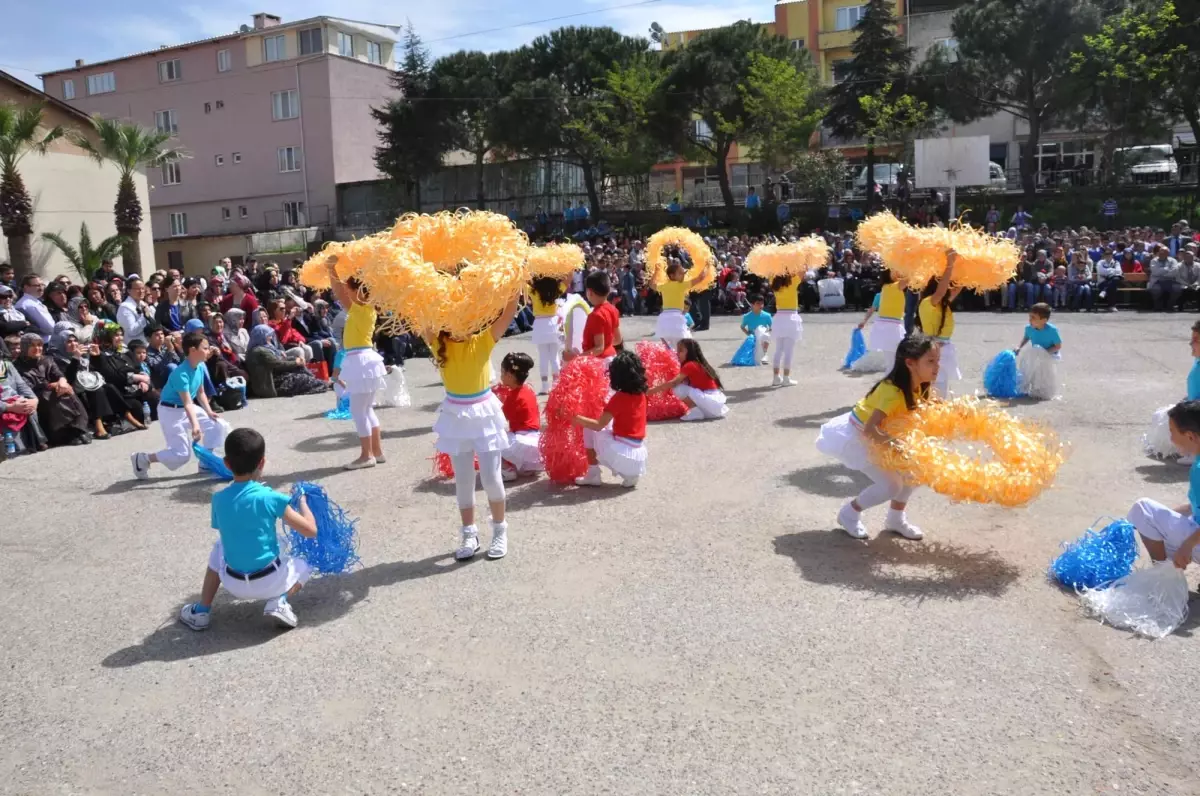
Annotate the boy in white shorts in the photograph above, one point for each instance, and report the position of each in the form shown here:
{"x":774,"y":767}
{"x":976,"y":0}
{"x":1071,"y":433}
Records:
{"x":247,"y":560}
{"x":1170,"y":532}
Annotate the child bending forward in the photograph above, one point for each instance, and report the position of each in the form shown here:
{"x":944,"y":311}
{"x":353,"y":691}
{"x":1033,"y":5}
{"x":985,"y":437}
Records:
{"x":697,"y":385}
{"x":616,"y":439}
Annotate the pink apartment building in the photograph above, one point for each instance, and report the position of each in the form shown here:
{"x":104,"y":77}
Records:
{"x":273,"y":118}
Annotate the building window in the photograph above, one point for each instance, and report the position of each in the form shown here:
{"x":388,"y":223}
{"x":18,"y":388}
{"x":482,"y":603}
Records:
{"x":175,"y":260}
{"x":289,"y":158}
{"x":293,"y":214}
{"x":374,"y":52}
{"x":169,"y":71}
{"x":225,"y":214}
{"x":345,"y":44}
{"x":208,"y":107}
{"x":848,"y":17}
{"x":166,"y":122}
{"x":285,"y":104}
{"x":797,"y":44}
{"x":701,"y":131}
{"x":839,"y":70}
{"x":220,"y":104}
{"x":274,"y":48}
{"x":178,"y":224}
{"x":243,"y":211}
{"x":103,"y":83}
{"x":949,"y":47}
{"x":69,"y":89}
{"x":237,"y":157}
{"x":310,"y":41}
{"x":170,"y":174}
{"x":224,"y":62}
{"x":219,"y":160}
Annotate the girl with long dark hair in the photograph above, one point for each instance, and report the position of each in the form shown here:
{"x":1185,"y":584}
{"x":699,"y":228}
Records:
{"x":936,"y":319}
{"x":787,"y":328}
{"x":697,"y":385}
{"x":616,"y":439}
{"x":546,"y":336}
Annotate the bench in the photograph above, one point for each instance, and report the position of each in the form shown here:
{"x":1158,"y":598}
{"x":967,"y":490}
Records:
{"x":1130,"y":292}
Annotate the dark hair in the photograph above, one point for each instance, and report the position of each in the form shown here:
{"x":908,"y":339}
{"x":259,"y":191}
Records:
{"x":152,"y":327}
{"x":136,"y":345}
{"x":1186,"y":416}
{"x":914,"y":346}
{"x":598,"y":283}
{"x":28,"y":279}
{"x":886,"y":278}
{"x":673,"y":267}
{"x":692,"y":353}
{"x":356,"y":284}
{"x":780,"y":282}
{"x":518,"y":364}
{"x":439,"y":356}
{"x":166,"y":283}
{"x":547,"y":288}
{"x":626,"y":373}
{"x":192,"y":340}
{"x":755,"y":298}
{"x":1196,"y":326}
{"x":1041,"y":309}
{"x":244,"y":451}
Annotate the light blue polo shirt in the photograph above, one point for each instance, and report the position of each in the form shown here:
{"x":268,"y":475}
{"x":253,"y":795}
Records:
{"x":1194,"y":489}
{"x":184,"y":378}
{"x":245,"y":514}
{"x":1045,"y":337}
{"x":1193,"y":392}
{"x":752,"y":320}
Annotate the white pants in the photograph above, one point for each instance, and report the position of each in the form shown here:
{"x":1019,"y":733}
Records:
{"x":303,"y":351}
{"x":489,"y":473}
{"x":887,"y":486}
{"x":784,"y":348}
{"x":362,"y":412}
{"x":549,"y":360}
{"x":947,"y":369}
{"x":290,"y":572}
{"x":177,"y":432}
{"x":711,"y":403}
{"x":1159,"y":523}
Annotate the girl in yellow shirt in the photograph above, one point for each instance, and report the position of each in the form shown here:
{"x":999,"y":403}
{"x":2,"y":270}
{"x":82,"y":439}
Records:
{"x":471,"y":426}
{"x":787,"y":327}
{"x":888,"y":329}
{"x":362,"y":370}
{"x":547,"y":329}
{"x":936,"y":319}
{"x":846,"y":437}
{"x":671,"y":326}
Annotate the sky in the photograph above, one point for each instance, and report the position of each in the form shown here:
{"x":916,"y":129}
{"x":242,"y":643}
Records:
{"x":51,"y":34}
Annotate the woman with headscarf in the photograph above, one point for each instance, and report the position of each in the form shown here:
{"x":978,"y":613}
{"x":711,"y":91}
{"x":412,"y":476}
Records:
{"x":83,"y":323}
{"x":235,"y":333}
{"x":55,"y":299}
{"x":61,"y":412}
{"x":18,"y":407}
{"x":101,"y":399}
{"x":126,"y":375}
{"x":239,"y":296}
{"x":222,"y":354}
{"x":272,"y":373}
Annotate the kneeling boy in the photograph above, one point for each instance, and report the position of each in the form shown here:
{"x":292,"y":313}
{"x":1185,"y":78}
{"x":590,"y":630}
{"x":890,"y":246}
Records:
{"x":1170,"y":532}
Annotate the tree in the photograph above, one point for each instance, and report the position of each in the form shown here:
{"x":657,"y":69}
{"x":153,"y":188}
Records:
{"x":130,"y":148}
{"x":87,"y":259}
{"x":21,"y":132}
{"x":783,"y":109}
{"x":877,"y":72}
{"x":820,"y":175}
{"x":622,"y":117}
{"x":467,"y":88}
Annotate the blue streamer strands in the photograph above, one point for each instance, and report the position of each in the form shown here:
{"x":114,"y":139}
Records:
{"x":211,"y":462}
{"x":334,"y":550}
{"x":744,"y":357}
{"x":342,"y":412}
{"x":1098,"y":557}
{"x":1000,"y":379}
{"x":858,"y":348}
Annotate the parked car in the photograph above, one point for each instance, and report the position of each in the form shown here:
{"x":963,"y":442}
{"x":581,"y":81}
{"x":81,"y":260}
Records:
{"x":887,"y":177}
{"x":1153,"y":164}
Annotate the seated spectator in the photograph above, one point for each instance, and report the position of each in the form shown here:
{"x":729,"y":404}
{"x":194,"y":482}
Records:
{"x":99,"y":304}
{"x":1109,"y":279}
{"x":19,"y":407}
{"x":220,"y":341}
{"x":215,"y":290}
{"x":236,"y":335}
{"x":168,"y":312}
{"x":1189,"y":276}
{"x":83,"y":323}
{"x":61,"y":413}
{"x":239,"y":296}
{"x":280,"y":321}
{"x":305,"y":322}
{"x":12,"y":320}
{"x":1129,"y":263}
{"x":164,"y":352}
{"x":1165,"y":286}
{"x":103,"y":400}
{"x":122,"y":372}
{"x":832,"y":290}
{"x":112,"y":292}
{"x":1079,"y":276}
{"x":55,"y":299}
{"x":273,"y":374}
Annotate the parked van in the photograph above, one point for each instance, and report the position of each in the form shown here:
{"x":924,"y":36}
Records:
{"x":1146,"y":165}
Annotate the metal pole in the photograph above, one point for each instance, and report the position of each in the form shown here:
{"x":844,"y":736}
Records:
{"x":953,"y":204}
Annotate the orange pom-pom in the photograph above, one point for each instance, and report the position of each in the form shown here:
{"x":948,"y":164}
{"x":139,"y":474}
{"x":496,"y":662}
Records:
{"x":698,"y":251}
{"x":918,"y":254}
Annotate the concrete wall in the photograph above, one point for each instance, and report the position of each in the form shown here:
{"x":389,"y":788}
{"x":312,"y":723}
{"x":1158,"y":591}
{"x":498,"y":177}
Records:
{"x":199,"y":255}
{"x":355,"y":89}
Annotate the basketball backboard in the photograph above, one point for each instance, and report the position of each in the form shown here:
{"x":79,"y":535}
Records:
{"x":952,"y":162}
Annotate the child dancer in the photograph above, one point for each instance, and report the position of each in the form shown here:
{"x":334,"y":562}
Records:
{"x":521,"y":411}
{"x":471,"y":426}
{"x":546,"y":335}
{"x":846,"y":437}
{"x":697,"y":385}
{"x":246,"y":560}
{"x":1158,"y":439}
{"x":936,"y":320}
{"x":788,"y":328}
{"x":361,"y":371}
{"x":758,"y":323}
{"x":602,"y":331}
{"x":1038,"y":365}
{"x":1170,"y":532}
{"x":616,"y":439}
{"x":177,"y":414}
{"x":671,"y":326}
{"x":888,"y":329}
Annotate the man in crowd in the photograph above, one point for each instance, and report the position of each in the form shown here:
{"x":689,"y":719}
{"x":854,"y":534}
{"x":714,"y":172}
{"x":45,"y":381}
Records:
{"x":30,"y":304}
{"x":6,"y":277}
{"x":1165,"y":286}
{"x":134,"y":313}
{"x":1189,"y":277}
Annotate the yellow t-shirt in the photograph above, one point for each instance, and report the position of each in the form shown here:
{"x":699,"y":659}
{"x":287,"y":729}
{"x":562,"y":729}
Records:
{"x":360,"y":326}
{"x":931,"y":317}
{"x":542,"y":309}
{"x":466,"y":369}
{"x":673,"y":294}
{"x":787,"y":299}
{"x":891,"y":302}
{"x":886,"y":397}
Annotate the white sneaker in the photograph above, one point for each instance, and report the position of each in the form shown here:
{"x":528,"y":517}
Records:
{"x":381,"y":459}
{"x":903,"y":527}
{"x":469,"y":545}
{"x":693,"y":414}
{"x":508,"y":474}
{"x":1186,"y":461}
{"x":777,"y":381}
{"x":499,"y":546}
{"x":194,"y":619}
{"x":281,"y":611}
{"x":591,"y":478}
{"x":361,"y":464}
{"x":790,"y":382}
{"x":141,"y":466}
{"x":851,"y":522}
{"x":764,"y":360}
{"x":545,"y":389}
{"x":629,"y":482}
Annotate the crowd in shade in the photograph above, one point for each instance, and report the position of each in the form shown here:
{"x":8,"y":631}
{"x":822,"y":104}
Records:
{"x":85,"y":362}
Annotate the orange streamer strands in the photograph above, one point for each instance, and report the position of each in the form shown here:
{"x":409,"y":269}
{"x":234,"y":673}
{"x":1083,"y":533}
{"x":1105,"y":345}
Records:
{"x":556,"y":260}
{"x":797,"y":258}
{"x":918,"y":254}
{"x":698,"y":251}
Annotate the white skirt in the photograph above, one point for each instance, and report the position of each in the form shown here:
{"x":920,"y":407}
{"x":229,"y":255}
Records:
{"x":1038,"y":372}
{"x":842,"y":439}
{"x":524,"y":453}
{"x":886,"y":336}
{"x":395,"y":390}
{"x":671,"y":325}
{"x":710,"y":402}
{"x":471,"y":423}
{"x":625,"y":457}
{"x":363,"y":371}
{"x":547,"y":331}
{"x":762,"y":336}
{"x":948,"y":369}
{"x":789,"y":326}
{"x":1157,"y":439}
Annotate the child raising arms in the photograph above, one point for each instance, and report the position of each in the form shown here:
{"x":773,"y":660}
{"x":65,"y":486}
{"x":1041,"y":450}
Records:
{"x":521,"y":411}
{"x":616,"y":439}
{"x":546,"y":292}
{"x":671,"y":326}
{"x":697,"y":385}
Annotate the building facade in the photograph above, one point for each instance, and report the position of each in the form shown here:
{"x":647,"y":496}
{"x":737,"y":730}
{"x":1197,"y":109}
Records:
{"x":272,"y":118}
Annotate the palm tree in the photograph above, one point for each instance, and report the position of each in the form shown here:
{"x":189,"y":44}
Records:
{"x":20,"y":134}
{"x":130,"y":148}
{"x":86,"y":259}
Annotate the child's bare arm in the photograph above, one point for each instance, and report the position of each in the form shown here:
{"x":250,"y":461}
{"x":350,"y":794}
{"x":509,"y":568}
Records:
{"x":667,"y":385}
{"x":302,"y":522}
{"x":873,"y":430}
{"x":594,"y":424}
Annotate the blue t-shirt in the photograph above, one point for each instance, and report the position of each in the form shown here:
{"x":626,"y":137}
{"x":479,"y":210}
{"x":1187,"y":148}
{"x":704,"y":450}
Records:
{"x":1046,"y":337}
{"x":875,"y":301}
{"x":1193,"y":393}
{"x":184,"y":378}
{"x":752,"y":320}
{"x":1194,"y":488}
{"x":245,"y":514}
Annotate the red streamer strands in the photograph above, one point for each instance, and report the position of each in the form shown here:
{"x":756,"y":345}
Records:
{"x":444,"y":468}
{"x":661,"y":365}
{"x":582,"y":389}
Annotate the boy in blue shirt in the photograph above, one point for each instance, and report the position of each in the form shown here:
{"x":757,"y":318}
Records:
{"x":1040,"y":332}
{"x":1038,"y":371}
{"x":246,"y":560}
{"x":1170,"y":532}
{"x":758,"y":318}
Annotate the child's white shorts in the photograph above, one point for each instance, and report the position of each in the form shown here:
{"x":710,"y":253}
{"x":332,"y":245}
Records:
{"x":1160,"y":523}
{"x":287,"y":573}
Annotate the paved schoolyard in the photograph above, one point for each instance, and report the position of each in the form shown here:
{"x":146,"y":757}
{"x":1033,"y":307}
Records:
{"x":706,"y":633}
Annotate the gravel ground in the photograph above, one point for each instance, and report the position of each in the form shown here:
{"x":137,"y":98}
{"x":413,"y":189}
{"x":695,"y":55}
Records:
{"x":704,"y":633}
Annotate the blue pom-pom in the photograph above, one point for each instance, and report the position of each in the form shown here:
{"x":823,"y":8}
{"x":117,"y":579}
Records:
{"x":211,"y":462}
{"x":1098,"y":557}
{"x":858,"y":348}
{"x":744,"y":356}
{"x":342,"y":412}
{"x":334,"y":549}
{"x":1000,"y":379}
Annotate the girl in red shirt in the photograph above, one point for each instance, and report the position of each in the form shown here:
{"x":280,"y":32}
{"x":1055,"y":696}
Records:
{"x":697,"y":385}
{"x":521,"y":412}
{"x":616,"y":439}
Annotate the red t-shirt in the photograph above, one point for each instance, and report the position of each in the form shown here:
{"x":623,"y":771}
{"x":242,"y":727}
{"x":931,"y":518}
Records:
{"x":601,"y":321}
{"x":697,"y":376}
{"x":521,"y":409}
{"x":249,"y":303}
{"x":628,"y":412}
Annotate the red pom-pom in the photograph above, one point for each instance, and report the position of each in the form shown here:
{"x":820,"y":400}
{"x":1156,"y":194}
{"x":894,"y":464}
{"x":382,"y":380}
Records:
{"x":444,"y":468}
{"x":661,"y":365}
{"x":581,"y":390}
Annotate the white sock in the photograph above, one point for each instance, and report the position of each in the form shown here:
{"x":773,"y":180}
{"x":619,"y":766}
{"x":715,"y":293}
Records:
{"x":500,"y":526}
{"x":470,"y":530}
{"x":895,"y":517}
